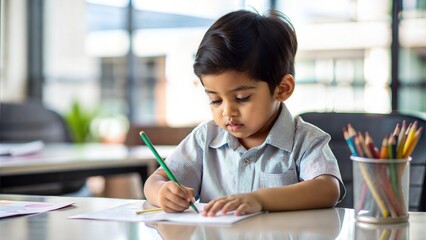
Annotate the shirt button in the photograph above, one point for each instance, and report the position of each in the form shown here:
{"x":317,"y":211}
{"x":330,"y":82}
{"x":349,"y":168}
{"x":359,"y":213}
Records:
{"x":246,"y":162}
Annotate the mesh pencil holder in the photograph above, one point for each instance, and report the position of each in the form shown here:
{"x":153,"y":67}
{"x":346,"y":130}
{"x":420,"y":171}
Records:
{"x":381,"y":189}
{"x":397,"y":231}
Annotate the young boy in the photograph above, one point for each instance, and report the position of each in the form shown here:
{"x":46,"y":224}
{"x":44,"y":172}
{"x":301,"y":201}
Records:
{"x":253,"y":156}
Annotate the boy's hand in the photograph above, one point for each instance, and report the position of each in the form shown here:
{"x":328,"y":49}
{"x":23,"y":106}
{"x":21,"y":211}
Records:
{"x":241,"y":203}
{"x":173,"y":198}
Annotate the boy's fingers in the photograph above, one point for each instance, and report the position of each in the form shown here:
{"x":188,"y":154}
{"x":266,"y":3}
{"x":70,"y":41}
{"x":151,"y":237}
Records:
{"x":177,"y":190}
{"x":242,"y":209}
{"x":173,"y":203}
{"x":180,"y":198}
{"x":190,"y":195}
{"x":210,"y":204}
{"x":231,"y":205}
{"x":217,"y":206}
{"x":174,"y":198}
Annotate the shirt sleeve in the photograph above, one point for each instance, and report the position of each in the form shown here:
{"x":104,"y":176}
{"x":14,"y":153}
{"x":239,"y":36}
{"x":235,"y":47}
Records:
{"x":318,"y":159}
{"x":185,"y":162}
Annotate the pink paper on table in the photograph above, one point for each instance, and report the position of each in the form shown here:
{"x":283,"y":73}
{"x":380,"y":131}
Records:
{"x":12,"y":208}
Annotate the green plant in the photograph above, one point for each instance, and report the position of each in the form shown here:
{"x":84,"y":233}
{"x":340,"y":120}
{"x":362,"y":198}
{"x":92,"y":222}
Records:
{"x":78,"y":121}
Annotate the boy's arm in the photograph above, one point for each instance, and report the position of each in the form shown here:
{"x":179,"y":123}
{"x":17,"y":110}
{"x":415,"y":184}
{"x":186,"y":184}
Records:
{"x":321,"y":192}
{"x":153,"y":185}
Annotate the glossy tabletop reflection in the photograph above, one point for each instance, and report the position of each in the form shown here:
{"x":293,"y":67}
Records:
{"x":337,"y":223}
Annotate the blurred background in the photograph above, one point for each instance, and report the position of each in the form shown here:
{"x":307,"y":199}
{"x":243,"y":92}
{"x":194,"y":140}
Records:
{"x":111,"y":67}
{"x":126,"y":62}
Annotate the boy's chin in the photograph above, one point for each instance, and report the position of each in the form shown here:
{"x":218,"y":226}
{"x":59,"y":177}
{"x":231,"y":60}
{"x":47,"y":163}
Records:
{"x":238,"y":134}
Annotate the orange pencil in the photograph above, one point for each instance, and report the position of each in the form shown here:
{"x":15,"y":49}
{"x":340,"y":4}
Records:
{"x":384,"y":148}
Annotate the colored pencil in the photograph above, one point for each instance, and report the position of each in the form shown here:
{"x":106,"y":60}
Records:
{"x":373,"y":190}
{"x":410,"y":137}
{"x":401,"y":141}
{"x":413,"y":143}
{"x":384,"y":148}
{"x":370,"y":144}
{"x":364,"y":146}
{"x":350,"y":142}
{"x":384,"y":184}
{"x":163,"y":164}
{"x":149,"y":210}
{"x":392,"y":170}
{"x":391,"y":147}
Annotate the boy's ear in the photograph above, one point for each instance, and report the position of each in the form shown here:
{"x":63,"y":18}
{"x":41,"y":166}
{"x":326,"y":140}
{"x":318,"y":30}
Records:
{"x":286,"y":88}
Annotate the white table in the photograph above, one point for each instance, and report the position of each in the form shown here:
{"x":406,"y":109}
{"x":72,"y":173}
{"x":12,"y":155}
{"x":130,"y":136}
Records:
{"x":67,"y":162}
{"x":337,"y":223}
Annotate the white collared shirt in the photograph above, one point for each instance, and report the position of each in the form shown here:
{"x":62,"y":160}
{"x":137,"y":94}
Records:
{"x":215,"y":164}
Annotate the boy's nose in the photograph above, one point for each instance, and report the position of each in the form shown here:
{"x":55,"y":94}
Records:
{"x":229,"y":110}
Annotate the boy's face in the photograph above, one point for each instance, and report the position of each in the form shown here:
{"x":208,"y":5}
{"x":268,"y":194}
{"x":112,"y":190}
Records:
{"x":242,"y":106}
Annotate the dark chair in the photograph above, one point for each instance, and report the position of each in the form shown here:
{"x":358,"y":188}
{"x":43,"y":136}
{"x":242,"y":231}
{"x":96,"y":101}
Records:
{"x":29,"y":121}
{"x":378,"y":125}
{"x":21,"y":122}
{"x":158,"y":135}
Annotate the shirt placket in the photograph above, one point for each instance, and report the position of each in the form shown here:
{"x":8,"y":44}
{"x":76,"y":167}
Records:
{"x":245,"y":176}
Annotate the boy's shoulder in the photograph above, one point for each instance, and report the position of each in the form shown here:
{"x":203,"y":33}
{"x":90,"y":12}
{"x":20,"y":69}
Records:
{"x":308,"y":138}
{"x":308,"y":130}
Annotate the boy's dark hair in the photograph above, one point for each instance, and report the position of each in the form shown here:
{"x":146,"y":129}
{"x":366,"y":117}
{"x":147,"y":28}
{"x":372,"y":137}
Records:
{"x":244,"y":41}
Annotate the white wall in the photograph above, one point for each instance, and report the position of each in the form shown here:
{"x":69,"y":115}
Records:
{"x":13,"y":52}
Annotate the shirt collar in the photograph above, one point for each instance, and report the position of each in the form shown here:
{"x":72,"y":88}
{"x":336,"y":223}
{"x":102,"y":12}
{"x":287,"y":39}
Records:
{"x":223,"y":138}
{"x":280,"y":136}
{"x":282,"y":133}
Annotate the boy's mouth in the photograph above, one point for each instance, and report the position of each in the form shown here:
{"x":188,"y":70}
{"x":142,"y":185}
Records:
{"x":233,"y":126}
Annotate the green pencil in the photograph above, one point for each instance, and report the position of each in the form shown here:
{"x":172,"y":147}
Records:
{"x":163,"y":164}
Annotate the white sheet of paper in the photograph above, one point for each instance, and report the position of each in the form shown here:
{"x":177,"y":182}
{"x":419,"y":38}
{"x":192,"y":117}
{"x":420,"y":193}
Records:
{"x":127,"y":213}
{"x":11,"y":208}
{"x":20,"y":149}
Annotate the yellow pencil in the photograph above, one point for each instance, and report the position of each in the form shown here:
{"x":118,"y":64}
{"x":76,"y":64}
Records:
{"x":410,"y":137}
{"x":149,"y":210}
{"x":373,"y":190}
{"x":413,"y":143}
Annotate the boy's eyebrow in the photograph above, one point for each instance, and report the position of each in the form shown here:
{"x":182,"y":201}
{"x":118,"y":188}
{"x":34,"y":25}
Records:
{"x":240,"y":88}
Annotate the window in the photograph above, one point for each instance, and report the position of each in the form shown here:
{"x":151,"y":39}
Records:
{"x":412,"y":58}
{"x":350,"y":45}
{"x":138,"y":60}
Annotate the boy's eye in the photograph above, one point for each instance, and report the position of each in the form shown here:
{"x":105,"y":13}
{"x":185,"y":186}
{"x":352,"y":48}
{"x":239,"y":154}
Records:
{"x":214,"y":102}
{"x":243,"y":99}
